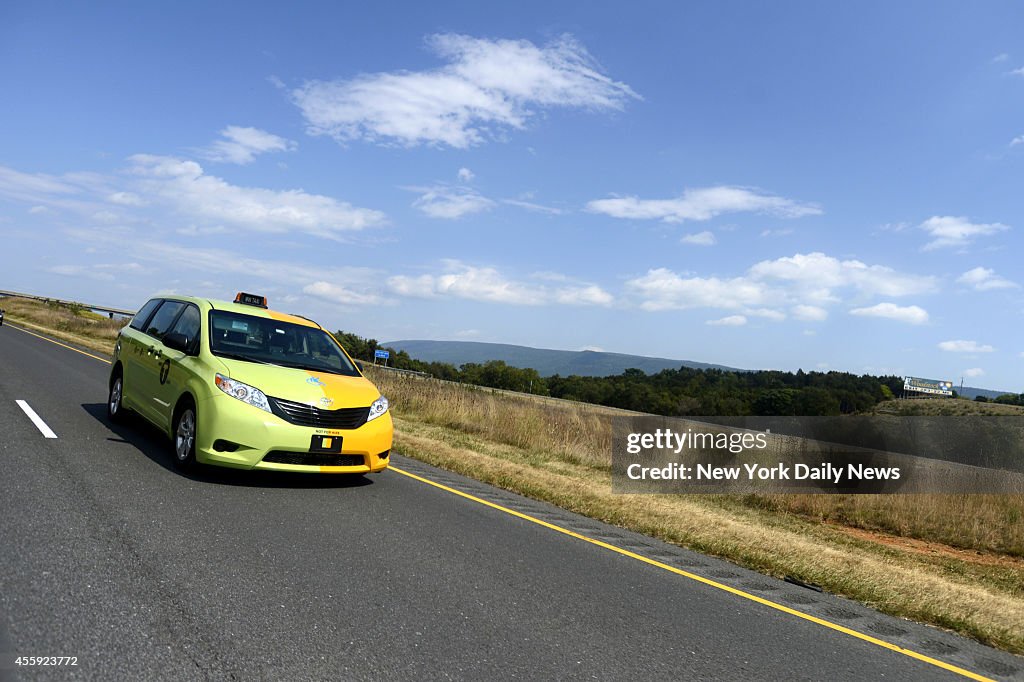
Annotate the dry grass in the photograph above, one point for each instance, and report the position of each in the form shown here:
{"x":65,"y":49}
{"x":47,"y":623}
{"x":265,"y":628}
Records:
{"x":76,"y":325}
{"x":571,"y":432}
{"x":903,"y":554}
{"x":946,"y":407}
{"x":987,"y":523}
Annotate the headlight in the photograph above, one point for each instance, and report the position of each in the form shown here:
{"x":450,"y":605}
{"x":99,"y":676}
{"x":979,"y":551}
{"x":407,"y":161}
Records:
{"x":379,"y":407}
{"x":244,"y":392}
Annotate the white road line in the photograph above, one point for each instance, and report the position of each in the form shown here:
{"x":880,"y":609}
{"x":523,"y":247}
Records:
{"x":36,"y":419}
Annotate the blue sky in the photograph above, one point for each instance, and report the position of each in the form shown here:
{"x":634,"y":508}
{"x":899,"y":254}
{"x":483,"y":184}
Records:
{"x":760,"y":185}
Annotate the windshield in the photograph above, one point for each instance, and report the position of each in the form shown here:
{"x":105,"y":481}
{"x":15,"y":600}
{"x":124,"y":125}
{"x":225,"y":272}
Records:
{"x":269,"y":341}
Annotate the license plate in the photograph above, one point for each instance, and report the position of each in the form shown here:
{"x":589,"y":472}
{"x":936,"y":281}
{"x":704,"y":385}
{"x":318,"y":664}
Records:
{"x":330,"y":444}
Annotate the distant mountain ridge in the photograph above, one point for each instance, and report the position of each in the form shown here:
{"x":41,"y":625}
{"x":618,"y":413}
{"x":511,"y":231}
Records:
{"x":546,"y":361}
{"x":567,"y":362}
{"x":972,"y":392}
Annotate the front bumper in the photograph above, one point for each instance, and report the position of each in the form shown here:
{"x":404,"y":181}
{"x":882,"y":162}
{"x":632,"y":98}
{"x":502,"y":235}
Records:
{"x":231,"y":433}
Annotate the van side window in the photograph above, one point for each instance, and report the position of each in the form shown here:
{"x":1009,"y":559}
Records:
{"x":141,"y":317}
{"x":188,"y":324}
{"x":164,"y":318}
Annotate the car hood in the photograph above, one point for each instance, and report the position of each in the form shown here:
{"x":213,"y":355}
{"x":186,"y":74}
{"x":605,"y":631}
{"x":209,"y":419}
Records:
{"x":304,"y":386}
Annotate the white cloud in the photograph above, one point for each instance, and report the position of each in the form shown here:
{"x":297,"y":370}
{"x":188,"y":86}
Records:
{"x":486,"y":284}
{"x":701,"y":204}
{"x":663,"y":289}
{"x":593,"y":349}
{"x":108,"y":217}
{"x":487,"y":87}
{"x":104,"y":272}
{"x":1018,"y":72}
{"x":767,"y":313}
{"x":454,"y":201}
{"x":186,"y":188}
{"x":1017,"y":140}
{"x":705,"y":238}
{"x":36,"y":187}
{"x":777,"y":233}
{"x":126,"y":199}
{"x":29,"y":186}
{"x":335,"y":293}
{"x":803,"y":279}
{"x":949,"y":231}
{"x":961,"y":346}
{"x":535,"y":208}
{"x":81,"y":271}
{"x":162,"y":182}
{"x":910,"y":314}
{"x":443,"y":201}
{"x":974,"y":372}
{"x":730,"y":321}
{"x":894,"y":227}
{"x":168,"y":258}
{"x":810,"y":313}
{"x":466,"y":175}
{"x":985,"y":279}
{"x":203,"y":231}
{"x":473,"y":283}
{"x":813,"y":277}
{"x":241,"y":145}
{"x":582,"y":295}
{"x":1001,"y":57}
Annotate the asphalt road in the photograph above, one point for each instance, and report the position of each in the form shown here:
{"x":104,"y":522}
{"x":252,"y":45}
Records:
{"x":110,"y":555}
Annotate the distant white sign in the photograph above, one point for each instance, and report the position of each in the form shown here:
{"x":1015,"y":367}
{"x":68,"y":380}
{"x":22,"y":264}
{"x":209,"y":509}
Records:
{"x":932,"y":386}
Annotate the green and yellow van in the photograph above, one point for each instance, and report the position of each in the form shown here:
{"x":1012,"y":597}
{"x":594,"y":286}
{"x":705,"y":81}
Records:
{"x":235,"y":384}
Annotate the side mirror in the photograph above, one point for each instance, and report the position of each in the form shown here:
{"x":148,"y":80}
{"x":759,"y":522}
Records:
{"x":179,"y":342}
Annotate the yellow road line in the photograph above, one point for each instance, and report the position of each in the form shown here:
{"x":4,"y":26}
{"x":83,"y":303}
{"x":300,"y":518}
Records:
{"x":63,"y":345}
{"x":706,"y":581}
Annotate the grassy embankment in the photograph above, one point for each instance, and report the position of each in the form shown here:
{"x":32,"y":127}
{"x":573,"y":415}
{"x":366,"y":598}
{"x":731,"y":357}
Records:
{"x":77,"y":325}
{"x":955,"y":561}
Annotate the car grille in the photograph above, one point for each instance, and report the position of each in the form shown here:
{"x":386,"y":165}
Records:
{"x":314,"y":459}
{"x":309,"y":415}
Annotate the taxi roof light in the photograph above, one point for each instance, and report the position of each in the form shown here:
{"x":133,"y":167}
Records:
{"x":251,"y":299}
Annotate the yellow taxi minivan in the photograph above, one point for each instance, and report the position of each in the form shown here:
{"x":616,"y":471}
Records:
{"x":235,"y":384}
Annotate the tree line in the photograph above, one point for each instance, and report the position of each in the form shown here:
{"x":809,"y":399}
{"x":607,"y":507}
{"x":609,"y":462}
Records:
{"x":671,"y":392}
{"x":1004,"y":399}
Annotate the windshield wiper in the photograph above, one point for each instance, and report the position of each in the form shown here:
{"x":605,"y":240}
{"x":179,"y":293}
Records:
{"x":311,"y":368}
{"x":244,"y":358}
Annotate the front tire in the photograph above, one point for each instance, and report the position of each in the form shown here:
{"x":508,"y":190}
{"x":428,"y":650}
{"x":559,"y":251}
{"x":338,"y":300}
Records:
{"x":185,"y":437}
{"x":115,"y":406}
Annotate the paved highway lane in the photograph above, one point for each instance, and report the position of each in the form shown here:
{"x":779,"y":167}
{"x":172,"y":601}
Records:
{"x":110,"y":555}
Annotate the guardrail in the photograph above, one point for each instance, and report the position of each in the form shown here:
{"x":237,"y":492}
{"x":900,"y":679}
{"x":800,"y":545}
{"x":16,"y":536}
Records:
{"x":410,"y":372}
{"x":49,"y":299}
